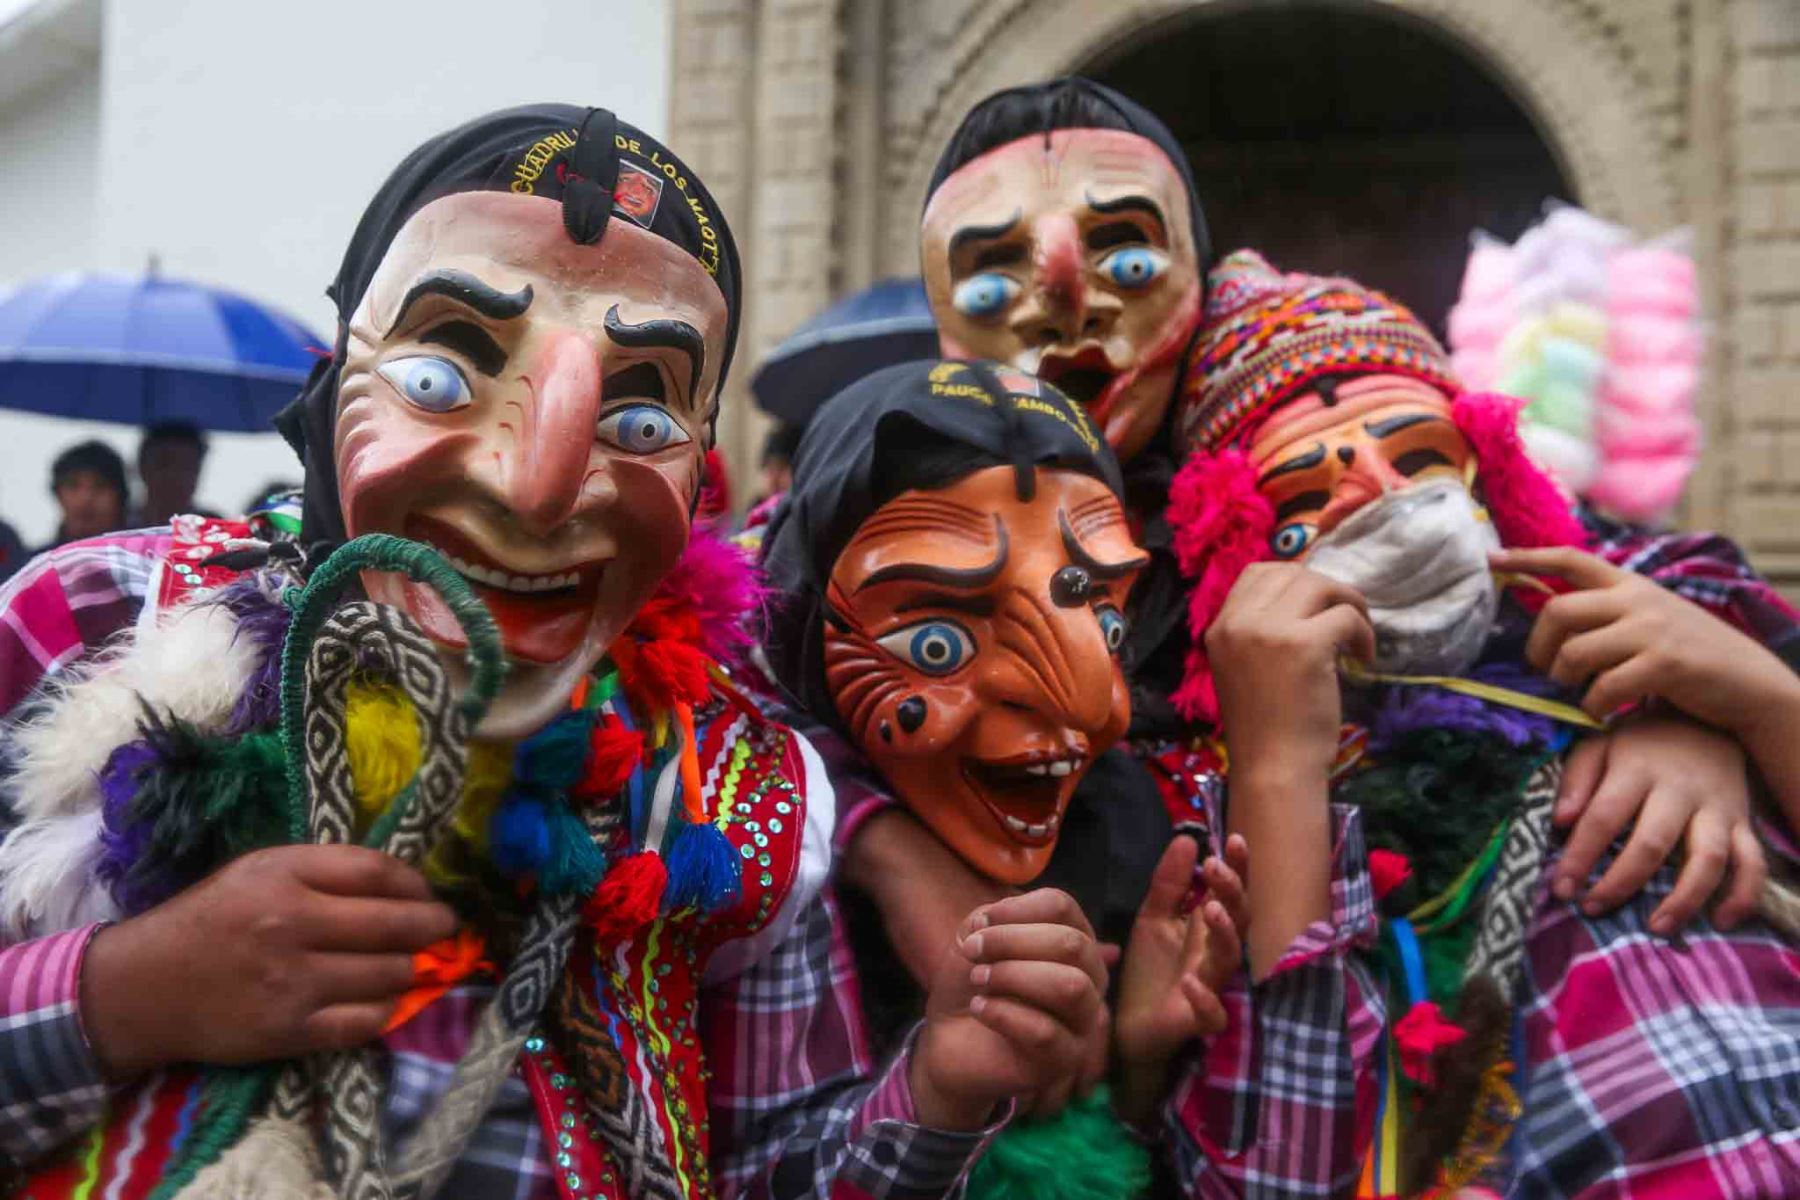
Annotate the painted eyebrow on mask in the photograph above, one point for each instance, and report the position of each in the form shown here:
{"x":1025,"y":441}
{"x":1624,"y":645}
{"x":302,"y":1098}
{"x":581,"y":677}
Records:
{"x":468,"y":291}
{"x":1394,"y":425}
{"x":981,"y":233}
{"x":955,"y":577}
{"x":1080,"y":557}
{"x":1304,"y":462}
{"x":1130,"y":202}
{"x":661,"y":332}
{"x":472,"y":342}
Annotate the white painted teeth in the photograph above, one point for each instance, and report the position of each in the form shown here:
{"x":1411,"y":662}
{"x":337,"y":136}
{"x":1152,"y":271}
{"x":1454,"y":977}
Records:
{"x":1037,"y":830}
{"x":1059,"y":768}
{"x":512,"y":583}
{"x":1016,"y":825}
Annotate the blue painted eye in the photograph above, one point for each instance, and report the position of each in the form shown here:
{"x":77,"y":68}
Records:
{"x":428,"y":382}
{"x":934,"y":647}
{"x":1134,"y":266}
{"x":1291,"y":539}
{"x":984,"y":295}
{"x":1113,"y":625}
{"x":641,"y":429}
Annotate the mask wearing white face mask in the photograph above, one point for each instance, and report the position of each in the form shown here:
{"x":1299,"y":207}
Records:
{"x":1420,"y":557}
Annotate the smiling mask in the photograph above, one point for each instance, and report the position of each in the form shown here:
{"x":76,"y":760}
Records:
{"x":540,"y":310}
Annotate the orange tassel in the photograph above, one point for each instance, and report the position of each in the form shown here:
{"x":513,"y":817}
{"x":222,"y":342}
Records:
{"x":690,"y":766}
{"x":438,"y":968}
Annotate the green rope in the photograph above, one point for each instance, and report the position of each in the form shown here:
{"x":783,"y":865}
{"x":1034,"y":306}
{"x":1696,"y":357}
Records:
{"x":313,"y":606}
{"x":230,"y":1096}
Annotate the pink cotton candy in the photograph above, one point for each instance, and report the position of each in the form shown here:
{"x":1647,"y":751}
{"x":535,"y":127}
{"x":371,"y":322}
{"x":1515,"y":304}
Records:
{"x":1653,"y":337}
{"x":1642,"y":489}
{"x":1651,"y":388}
{"x":1625,"y":435}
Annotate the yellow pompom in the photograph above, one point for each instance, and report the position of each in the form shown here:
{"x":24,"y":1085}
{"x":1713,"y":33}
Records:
{"x":384,"y":747}
{"x":382,"y":740}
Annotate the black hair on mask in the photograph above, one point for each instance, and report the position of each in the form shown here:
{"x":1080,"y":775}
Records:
{"x":1071,"y":102}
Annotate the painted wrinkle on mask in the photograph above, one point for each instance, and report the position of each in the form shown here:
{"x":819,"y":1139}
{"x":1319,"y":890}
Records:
{"x":999,"y":743}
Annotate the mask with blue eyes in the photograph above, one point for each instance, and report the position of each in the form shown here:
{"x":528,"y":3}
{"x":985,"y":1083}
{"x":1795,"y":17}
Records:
{"x":428,"y":382}
{"x":983,"y":682}
{"x":985,"y":295}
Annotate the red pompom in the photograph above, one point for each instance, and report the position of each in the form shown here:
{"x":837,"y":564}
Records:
{"x":614,"y":752}
{"x":1388,"y":869}
{"x":1420,"y":1034}
{"x":628,"y":898}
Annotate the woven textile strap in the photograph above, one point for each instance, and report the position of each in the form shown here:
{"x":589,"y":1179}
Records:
{"x":1499,"y":949}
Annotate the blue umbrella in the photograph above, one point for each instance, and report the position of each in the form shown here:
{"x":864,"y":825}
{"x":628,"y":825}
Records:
{"x":877,"y":327}
{"x":143,"y":349}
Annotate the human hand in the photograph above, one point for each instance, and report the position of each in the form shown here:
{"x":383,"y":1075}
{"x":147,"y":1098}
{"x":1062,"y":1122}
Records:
{"x":922,"y":888}
{"x":1274,"y":650}
{"x":1623,"y":637}
{"x":1014,"y":1013}
{"x":286,"y":951}
{"x":1674,"y":783}
{"x":1177,"y":962}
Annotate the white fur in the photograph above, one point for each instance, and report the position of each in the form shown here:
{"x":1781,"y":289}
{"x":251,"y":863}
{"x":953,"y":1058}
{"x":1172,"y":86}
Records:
{"x":190,"y":665}
{"x":48,"y":881}
{"x":275,"y":1160}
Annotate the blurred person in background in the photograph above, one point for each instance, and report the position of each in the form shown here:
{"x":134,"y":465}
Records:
{"x":88,"y":481}
{"x":12,"y":551}
{"x":168,"y":462}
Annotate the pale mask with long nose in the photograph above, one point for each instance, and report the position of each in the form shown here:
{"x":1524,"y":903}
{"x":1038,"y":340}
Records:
{"x":1071,"y":256}
{"x":972,"y":652}
{"x":536,"y":410}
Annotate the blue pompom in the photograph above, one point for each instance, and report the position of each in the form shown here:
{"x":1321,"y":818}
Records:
{"x":703,"y":870}
{"x":519,"y":836}
{"x":553,"y":757}
{"x":575,"y":865}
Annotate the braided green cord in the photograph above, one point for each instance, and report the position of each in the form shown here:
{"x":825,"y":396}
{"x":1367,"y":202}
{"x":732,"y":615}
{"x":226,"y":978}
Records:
{"x":313,"y":606}
{"x":231,"y":1095}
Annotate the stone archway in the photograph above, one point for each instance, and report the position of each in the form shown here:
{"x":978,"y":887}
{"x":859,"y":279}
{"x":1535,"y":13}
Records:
{"x":1552,"y":55}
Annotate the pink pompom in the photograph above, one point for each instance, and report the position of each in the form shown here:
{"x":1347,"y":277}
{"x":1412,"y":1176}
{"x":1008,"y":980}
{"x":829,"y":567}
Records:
{"x":1220,"y":525}
{"x":1527,"y":508}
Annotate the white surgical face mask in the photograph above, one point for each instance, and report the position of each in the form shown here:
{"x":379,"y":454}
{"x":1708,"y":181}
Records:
{"x":1420,"y":556}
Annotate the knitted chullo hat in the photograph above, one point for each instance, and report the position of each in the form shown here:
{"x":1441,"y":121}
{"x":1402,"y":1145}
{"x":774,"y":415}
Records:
{"x":1268,"y":337}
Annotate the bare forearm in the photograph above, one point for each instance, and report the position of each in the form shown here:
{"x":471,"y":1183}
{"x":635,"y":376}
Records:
{"x":1289,"y":887}
{"x":1774,"y":747}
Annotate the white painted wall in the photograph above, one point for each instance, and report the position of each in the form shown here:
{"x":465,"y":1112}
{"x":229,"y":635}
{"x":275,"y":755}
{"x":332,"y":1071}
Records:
{"x":238,"y":141}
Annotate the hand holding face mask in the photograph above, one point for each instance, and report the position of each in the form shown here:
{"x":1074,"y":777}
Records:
{"x":1419,"y":557}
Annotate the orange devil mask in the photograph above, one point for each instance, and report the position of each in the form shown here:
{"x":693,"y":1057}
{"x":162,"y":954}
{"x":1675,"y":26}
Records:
{"x":954,"y":562}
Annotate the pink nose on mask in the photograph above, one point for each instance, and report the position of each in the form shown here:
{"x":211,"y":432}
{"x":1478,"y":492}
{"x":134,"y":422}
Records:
{"x":551,"y":461}
{"x":1059,"y":261}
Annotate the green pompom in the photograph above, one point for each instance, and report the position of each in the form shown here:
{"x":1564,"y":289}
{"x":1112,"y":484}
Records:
{"x":1082,"y":1153}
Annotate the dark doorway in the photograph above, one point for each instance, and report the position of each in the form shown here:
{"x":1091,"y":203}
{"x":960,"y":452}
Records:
{"x":1339,"y":138}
